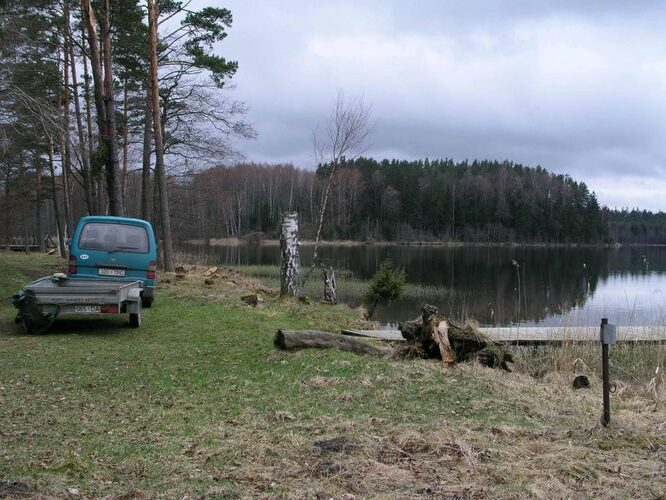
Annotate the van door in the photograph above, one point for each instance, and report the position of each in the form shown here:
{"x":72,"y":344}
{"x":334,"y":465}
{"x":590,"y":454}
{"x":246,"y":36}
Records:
{"x":113,"y":250}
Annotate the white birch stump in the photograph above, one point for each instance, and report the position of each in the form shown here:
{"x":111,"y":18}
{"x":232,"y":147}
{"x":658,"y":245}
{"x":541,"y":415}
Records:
{"x":290,"y":267}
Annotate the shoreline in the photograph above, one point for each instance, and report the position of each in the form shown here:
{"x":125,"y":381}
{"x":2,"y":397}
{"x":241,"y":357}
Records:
{"x":269,"y":242}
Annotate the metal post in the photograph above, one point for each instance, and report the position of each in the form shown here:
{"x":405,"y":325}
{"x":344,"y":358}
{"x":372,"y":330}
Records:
{"x":605,"y":419}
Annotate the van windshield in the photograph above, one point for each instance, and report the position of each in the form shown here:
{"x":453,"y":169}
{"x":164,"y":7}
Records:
{"x":114,"y":237}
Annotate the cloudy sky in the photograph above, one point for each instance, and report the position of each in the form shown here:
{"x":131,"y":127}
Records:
{"x":578,"y":87}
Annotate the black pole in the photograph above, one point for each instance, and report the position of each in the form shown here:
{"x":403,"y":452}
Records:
{"x":605,"y":419}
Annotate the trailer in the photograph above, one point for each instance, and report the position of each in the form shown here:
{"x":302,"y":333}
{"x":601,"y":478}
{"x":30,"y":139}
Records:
{"x":39,"y":303}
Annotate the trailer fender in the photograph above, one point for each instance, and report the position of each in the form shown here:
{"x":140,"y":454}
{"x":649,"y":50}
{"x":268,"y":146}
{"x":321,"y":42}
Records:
{"x":134,"y":301}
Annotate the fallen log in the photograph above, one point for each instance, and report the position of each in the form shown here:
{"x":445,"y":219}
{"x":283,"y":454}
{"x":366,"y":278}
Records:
{"x":301,"y":339}
{"x":433,"y":336}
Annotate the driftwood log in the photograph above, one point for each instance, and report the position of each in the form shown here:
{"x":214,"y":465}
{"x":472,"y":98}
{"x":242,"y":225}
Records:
{"x":301,"y":339}
{"x":433,"y":336}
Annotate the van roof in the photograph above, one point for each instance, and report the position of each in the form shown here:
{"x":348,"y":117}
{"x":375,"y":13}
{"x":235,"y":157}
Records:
{"x":118,"y":220}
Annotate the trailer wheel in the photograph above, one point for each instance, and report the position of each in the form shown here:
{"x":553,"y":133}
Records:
{"x":135,"y":320}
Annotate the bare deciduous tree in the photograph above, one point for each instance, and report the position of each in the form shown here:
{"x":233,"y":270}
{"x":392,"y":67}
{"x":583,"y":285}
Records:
{"x":343,"y":137}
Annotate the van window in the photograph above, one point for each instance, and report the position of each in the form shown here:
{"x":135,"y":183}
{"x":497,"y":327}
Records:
{"x":114,"y":237}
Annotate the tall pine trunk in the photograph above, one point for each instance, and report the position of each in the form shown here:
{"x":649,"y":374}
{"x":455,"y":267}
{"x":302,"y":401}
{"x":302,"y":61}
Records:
{"x":125,"y":146}
{"x":6,"y":213}
{"x":160,"y":175}
{"x":39,"y":236}
{"x":94,"y":169}
{"x":145,"y":171}
{"x":112,"y":167}
{"x":65,"y":149}
{"x":83,"y":151}
{"x":104,"y":101}
{"x":56,"y":209}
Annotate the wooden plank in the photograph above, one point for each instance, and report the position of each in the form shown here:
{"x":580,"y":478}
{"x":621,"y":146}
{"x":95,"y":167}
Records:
{"x":375,"y":334}
{"x":542,"y":335}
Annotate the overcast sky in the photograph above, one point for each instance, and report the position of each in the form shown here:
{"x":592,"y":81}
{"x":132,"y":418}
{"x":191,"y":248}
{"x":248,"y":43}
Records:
{"x":578,"y":87}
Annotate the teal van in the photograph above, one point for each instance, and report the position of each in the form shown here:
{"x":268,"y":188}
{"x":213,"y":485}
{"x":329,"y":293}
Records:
{"x":117,"y":248}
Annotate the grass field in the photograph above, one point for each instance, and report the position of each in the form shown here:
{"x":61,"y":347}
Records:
{"x":197,"y":402}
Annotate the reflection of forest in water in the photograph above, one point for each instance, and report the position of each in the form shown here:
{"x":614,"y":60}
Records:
{"x":493,"y":285}
{"x":502,"y":285}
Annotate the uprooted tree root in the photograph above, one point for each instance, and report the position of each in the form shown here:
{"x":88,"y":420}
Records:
{"x":433,"y":336}
{"x":428,"y":336}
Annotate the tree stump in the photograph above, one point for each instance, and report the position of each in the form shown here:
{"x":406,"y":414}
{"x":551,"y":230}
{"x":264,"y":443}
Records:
{"x":290,"y":279}
{"x":328,"y":275}
{"x":433,"y":336}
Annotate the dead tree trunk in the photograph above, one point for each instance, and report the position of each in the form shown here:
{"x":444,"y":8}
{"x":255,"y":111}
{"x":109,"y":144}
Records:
{"x":301,"y":339}
{"x":328,"y":276}
{"x":290,"y":279}
{"x":433,"y":336}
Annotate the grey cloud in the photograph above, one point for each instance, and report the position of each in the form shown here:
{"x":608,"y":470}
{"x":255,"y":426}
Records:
{"x":576,"y":87}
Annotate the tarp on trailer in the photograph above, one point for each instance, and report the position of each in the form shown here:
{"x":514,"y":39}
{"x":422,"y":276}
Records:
{"x":33,"y":319}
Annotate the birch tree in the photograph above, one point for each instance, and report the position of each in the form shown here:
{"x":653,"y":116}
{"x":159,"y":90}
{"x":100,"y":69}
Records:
{"x":343,"y":137}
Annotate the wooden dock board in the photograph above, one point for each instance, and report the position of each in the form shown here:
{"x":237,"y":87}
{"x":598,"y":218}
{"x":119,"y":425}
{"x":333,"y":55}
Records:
{"x":542,"y":335}
{"x":375,"y":334}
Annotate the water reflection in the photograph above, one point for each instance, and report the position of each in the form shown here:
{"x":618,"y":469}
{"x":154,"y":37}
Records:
{"x":501,"y":285}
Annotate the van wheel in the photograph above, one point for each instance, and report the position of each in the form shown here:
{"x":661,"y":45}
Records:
{"x":146,"y":303}
{"x":135,"y":320}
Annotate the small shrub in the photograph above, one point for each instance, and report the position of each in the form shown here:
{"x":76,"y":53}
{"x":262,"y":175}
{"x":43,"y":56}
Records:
{"x":386,"y":285}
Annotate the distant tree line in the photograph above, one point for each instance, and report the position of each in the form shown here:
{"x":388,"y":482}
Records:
{"x":479,"y":201}
{"x":635,"y":226}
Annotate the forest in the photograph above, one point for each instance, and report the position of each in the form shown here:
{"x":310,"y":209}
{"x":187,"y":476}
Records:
{"x":481,"y":201}
{"x":94,"y":93}
{"x":84,"y":83}
{"x":395,"y":200}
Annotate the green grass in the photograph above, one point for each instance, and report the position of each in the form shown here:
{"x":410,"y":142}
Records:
{"x":198,"y":402}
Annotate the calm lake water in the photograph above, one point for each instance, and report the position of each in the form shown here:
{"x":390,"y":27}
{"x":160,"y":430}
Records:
{"x":502,"y":285}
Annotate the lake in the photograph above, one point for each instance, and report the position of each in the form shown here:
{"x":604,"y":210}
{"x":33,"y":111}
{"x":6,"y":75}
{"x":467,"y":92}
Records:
{"x":499,"y":285}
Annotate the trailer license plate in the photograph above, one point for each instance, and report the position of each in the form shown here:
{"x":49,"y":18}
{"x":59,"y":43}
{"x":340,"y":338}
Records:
{"x":87,"y":309}
{"x":111,"y":272}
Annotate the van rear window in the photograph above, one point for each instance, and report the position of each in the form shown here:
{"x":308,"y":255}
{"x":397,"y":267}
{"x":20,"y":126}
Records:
{"x":114,"y":237}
